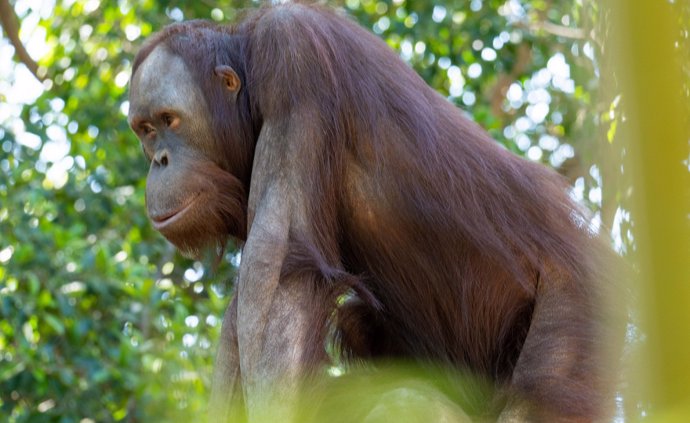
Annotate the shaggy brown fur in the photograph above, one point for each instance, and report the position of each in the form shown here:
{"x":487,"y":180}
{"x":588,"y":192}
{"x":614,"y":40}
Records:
{"x":453,"y":250}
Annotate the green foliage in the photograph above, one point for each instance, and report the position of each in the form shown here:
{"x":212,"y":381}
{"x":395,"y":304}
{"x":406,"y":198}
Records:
{"x":100,"y":320}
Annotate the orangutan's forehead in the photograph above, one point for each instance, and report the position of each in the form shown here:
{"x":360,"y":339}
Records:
{"x":163,"y":81}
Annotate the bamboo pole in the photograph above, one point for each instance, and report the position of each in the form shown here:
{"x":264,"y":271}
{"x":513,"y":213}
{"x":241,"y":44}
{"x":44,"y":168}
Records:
{"x":648,"y":66}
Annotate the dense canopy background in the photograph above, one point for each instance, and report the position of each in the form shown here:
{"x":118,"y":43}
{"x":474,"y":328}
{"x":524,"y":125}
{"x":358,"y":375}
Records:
{"x":100,"y":319}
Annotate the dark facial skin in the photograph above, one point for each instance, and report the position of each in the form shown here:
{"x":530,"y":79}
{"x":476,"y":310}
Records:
{"x":187,"y":194}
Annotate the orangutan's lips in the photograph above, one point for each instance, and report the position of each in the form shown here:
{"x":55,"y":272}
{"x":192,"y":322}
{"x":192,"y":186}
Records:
{"x":160,"y":222}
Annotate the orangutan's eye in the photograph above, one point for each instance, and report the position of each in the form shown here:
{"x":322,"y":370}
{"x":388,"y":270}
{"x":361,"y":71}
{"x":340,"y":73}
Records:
{"x":170,"y":120}
{"x":147,"y":129}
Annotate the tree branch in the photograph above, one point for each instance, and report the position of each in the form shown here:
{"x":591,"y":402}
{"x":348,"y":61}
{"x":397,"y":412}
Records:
{"x":554,"y":29}
{"x":560,"y":31}
{"x":10,"y":23}
{"x":523,"y":58}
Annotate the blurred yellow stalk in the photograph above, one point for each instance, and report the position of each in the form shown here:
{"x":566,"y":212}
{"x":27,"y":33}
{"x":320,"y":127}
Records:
{"x":648,"y":65}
